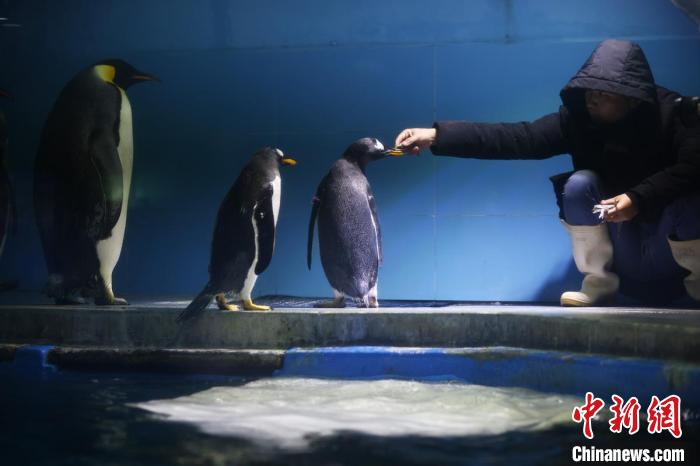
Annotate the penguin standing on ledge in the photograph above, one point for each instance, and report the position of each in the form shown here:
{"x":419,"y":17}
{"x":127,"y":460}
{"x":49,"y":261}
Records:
{"x":244,"y":235}
{"x":82,"y":179}
{"x":349,"y":235}
{"x":8,"y":212}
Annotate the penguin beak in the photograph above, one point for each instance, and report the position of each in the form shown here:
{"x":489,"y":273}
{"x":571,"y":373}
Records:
{"x":142,"y":77}
{"x":5,"y":94}
{"x":395,"y":152}
{"x":288,"y":161}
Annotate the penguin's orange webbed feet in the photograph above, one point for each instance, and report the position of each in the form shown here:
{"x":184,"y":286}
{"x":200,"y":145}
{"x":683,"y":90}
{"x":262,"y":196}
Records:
{"x":249,"y":305}
{"x":223,"y":305}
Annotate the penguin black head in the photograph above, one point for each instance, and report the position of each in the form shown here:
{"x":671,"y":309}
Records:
{"x":275,"y":155}
{"x":121,"y":73}
{"x":367,"y":150}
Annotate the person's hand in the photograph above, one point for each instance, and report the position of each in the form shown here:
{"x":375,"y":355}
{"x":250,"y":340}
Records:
{"x":623,"y":210}
{"x":416,"y":139}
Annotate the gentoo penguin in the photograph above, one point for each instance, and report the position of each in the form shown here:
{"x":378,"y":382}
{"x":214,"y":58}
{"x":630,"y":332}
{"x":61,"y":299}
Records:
{"x":244,"y":235}
{"x":82,"y":179}
{"x":349,"y":234}
{"x":8,"y":214}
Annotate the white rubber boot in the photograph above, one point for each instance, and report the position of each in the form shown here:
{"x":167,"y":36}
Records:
{"x":593,"y":255}
{"x":687,"y":254}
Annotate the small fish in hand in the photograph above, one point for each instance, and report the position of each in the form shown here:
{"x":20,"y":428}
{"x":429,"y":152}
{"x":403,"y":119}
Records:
{"x":601,"y":209}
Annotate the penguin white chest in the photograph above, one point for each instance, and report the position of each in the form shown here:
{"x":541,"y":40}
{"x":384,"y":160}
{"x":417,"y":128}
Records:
{"x":108,"y":250}
{"x":251,"y":276}
{"x":276,"y":196}
{"x":126,"y":148}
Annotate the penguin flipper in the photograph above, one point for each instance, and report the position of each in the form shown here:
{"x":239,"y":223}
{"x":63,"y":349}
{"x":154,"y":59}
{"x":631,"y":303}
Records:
{"x":312,"y":224}
{"x":375,"y":217}
{"x":264,"y":218}
{"x":315,"y":204}
{"x":103,"y":186}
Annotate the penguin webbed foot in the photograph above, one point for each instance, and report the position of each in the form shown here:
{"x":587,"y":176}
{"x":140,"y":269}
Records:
{"x":105,"y":301}
{"x":66,"y":295}
{"x":70,"y":300}
{"x":249,"y":305}
{"x":223,"y":305}
{"x":367,"y":302}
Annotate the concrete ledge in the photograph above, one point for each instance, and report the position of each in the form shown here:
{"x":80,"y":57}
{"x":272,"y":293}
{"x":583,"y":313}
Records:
{"x":647,"y":333}
{"x":185,"y":361}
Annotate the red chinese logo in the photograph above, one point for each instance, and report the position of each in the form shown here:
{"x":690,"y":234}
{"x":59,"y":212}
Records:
{"x":626,"y":415}
{"x":586,"y":413}
{"x":661,"y":415}
{"x":665,"y":415}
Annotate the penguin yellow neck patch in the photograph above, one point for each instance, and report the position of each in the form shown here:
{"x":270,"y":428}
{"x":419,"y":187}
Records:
{"x":106,"y":72}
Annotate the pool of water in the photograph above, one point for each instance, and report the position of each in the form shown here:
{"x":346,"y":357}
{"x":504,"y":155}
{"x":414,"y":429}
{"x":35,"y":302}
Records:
{"x":118,"y":419}
{"x":292,"y":412}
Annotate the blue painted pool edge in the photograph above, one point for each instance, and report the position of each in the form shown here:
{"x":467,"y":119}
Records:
{"x":33,"y":358}
{"x":543,"y":371}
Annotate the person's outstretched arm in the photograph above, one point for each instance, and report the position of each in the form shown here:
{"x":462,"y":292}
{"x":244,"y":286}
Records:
{"x":539,"y":139}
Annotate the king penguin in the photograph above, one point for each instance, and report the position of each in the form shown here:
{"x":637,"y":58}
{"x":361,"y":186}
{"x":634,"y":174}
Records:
{"x":82,"y":179}
{"x":349,"y":234}
{"x":244,"y":235}
{"x":8,"y":212}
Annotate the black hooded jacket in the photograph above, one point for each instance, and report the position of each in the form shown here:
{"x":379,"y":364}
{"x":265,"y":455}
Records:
{"x":651,"y":155}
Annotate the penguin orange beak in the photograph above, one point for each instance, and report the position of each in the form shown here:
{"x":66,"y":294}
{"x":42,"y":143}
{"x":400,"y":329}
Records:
{"x":395,"y":152}
{"x":5,"y":94}
{"x":288,"y":161}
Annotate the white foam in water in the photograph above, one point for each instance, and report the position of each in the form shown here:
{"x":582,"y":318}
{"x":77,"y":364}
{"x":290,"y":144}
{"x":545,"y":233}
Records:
{"x":290,"y":411}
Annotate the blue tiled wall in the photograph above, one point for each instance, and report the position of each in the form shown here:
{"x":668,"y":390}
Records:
{"x":310,"y":77}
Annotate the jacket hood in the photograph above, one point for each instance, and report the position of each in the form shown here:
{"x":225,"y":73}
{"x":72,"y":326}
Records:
{"x":615,"y":66}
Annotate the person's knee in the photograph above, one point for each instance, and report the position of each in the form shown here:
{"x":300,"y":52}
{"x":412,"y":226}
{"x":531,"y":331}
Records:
{"x":685,"y":214}
{"x":581,"y":193}
{"x":582,"y":186}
